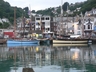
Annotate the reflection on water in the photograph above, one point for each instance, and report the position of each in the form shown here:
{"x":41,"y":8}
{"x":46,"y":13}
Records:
{"x":48,"y":58}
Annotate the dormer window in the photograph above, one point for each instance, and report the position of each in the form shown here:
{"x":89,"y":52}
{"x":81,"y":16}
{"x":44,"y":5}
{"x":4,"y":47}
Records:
{"x":88,"y":26}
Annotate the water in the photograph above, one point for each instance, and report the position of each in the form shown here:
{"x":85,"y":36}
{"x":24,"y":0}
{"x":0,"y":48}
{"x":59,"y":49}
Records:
{"x":48,"y":58}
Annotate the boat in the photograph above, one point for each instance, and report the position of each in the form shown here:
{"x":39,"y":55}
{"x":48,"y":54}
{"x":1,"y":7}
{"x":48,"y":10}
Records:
{"x":23,"y":41}
{"x":21,"y":45}
{"x":70,"y":41}
{"x":58,"y":45}
{"x":44,"y":41}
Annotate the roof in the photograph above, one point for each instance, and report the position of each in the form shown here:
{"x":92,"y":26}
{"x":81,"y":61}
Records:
{"x":10,"y":34}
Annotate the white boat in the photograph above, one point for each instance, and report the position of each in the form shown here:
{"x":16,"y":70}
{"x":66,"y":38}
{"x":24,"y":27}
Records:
{"x":57,"y":45}
{"x":69,"y":41}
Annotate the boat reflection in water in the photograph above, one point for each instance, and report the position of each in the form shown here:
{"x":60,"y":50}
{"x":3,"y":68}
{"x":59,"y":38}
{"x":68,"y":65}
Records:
{"x":48,"y":58}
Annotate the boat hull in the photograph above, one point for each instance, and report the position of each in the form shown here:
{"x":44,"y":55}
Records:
{"x":69,"y":42}
{"x":21,"y":45}
{"x":22,"y":41}
{"x":57,"y":45}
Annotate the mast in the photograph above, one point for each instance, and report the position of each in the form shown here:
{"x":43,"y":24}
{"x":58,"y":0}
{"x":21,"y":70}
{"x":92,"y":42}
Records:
{"x":30,"y":16}
{"x":23,"y":21}
{"x":67,"y":21}
{"x":61,"y":23}
{"x":82,"y":25}
{"x":14,"y":20}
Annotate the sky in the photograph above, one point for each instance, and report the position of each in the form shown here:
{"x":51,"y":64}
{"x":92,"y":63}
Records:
{"x":39,"y":4}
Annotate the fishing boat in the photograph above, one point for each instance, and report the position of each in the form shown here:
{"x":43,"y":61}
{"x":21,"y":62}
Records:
{"x":21,"y":45}
{"x":58,"y":45}
{"x":70,"y":41}
{"x":18,"y":41}
{"x":22,"y":41}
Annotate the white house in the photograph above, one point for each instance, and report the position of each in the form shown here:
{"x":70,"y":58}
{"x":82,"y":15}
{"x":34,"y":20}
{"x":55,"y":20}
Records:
{"x":5,"y":20}
{"x":77,"y":28}
{"x":45,"y":21}
{"x":88,"y":28}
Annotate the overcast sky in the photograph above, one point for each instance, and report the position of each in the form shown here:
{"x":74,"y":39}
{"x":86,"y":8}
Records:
{"x":39,"y":4}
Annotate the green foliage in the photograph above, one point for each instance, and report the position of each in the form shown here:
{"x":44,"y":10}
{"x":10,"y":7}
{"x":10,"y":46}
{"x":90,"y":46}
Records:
{"x":85,"y":6}
{"x":7,"y":11}
{"x":88,"y":5}
{"x":4,"y":25}
{"x":1,"y":26}
{"x":33,"y":11}
{"x":65,"y":6}
{"x":46,"y":12}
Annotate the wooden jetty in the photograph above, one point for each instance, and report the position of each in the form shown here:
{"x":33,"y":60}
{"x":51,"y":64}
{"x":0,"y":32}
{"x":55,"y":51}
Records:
{"x":3,"y":41}
{"x":27,"y":70}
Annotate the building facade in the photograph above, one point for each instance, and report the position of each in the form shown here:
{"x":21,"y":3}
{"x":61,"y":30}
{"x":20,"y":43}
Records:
{"x":45,"y":24}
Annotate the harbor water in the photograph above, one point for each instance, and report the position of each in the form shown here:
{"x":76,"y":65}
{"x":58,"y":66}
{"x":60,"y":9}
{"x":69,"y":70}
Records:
{"x":48,"y":58}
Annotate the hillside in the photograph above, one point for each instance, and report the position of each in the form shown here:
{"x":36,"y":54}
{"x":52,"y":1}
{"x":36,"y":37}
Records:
{"x":85,"y":6}
{"x":7,"y":11}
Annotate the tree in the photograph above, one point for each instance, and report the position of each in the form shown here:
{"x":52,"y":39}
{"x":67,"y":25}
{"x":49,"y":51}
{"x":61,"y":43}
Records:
{"x":65,"y":6}
{"x":33,"y":11}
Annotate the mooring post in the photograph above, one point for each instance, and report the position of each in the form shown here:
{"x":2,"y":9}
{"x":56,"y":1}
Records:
{"x":27,"y":70}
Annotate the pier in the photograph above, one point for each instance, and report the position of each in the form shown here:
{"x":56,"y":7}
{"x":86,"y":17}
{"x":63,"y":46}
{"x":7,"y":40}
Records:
{"x":3,"y":41}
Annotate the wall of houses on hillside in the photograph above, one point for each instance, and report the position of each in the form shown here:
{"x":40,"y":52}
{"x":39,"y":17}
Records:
{"x":47,"y":24}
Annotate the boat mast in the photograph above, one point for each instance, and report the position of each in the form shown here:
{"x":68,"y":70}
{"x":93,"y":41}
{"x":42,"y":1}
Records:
{"x":23,"y":26}
{"x":61,"y":23}
{"x":82,"y":25}
{"x":67,"y":21}
{"x":14,"y":20}
{"x":30,"y":16}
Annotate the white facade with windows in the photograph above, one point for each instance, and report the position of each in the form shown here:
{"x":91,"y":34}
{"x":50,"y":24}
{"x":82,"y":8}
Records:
{"x":43,"y":21}
{"x":89,"y":26}
{"x":77,"y":28}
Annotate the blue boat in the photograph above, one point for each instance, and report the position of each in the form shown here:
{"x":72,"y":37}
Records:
{"x":22,"y":41}
{"x":21,"y":45}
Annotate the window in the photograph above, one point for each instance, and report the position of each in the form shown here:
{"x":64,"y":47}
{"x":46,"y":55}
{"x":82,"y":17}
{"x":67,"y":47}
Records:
{"x":48,"y":29}
{"x":37,"y":18}
{"x":84,"y":26}
{"x":78,"y":32}
{"x":88,"y":26}
{"x":47,"y":18}
{"x":78,"y":27}
{"x":43,"y":23}
{"x":0,"y":30}
{"x":91,"y":26}
{"x":42,"y":18}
